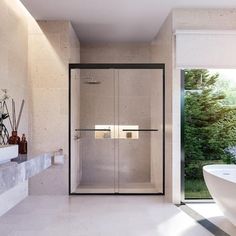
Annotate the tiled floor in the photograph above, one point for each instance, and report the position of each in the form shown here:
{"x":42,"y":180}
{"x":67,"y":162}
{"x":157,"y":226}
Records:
{"x":98,"y":216}
{"x":211,"y":212}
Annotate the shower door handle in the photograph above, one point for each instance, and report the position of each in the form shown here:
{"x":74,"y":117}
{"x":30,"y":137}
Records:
{"x":92,"y":129}
{"x":130,"y":130}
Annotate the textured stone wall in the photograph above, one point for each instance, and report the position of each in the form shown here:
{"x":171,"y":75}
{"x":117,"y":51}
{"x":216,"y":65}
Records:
{"x":14,"y":57}
{"x":52,"y":45}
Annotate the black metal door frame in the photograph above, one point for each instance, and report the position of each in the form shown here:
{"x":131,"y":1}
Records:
{"x":157,"y":66}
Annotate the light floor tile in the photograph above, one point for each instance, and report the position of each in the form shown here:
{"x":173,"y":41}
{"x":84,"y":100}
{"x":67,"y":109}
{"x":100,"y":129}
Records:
{"x":211,"y":212}
{"x":98,"y":216}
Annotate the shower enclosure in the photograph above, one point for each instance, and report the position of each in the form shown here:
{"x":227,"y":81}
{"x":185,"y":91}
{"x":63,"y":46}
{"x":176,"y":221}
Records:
{"x":117,"y":128}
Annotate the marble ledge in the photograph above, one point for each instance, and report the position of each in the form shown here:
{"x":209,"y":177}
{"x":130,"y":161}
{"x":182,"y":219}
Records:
{"x":22,"y":168}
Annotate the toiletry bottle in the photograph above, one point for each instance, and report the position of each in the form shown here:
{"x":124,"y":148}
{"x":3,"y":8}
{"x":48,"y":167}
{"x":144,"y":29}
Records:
{"x":23,"y":145}
{"x":14,"y":139}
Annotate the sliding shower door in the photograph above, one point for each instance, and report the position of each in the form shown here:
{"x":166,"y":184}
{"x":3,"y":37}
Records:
{"x":140,"y":121}
{"x":120,"y":130}
{"x":96,"y":131}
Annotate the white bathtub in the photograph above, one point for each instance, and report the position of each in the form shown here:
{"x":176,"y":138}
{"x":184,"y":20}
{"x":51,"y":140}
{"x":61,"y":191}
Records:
{"x":221,"y":183}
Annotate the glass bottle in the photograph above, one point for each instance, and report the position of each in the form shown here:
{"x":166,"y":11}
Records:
{"x":14,"y":138}
{"x":23,"y":145}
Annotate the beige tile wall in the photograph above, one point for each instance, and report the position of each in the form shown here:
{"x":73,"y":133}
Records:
{"x":115,"y":52}
{"x":162,"y":52}
{"x":13,"y":56}
{"x":52,"y":45}
{"x":204,"y":19}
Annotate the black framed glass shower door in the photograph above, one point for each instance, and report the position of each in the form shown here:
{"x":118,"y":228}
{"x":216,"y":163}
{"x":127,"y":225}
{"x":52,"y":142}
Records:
{"x":119,"y":129}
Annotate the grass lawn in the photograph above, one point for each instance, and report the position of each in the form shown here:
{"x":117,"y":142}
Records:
{"x":196,"y":189}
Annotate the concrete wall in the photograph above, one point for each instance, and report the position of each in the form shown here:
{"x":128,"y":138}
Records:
{"x":204,"y":19}
{"x":13,"y":57}
{"x":52,"y":45}
{"x":14,"y":78}
{"x":156,"y":117}
{"x":115,"y":53}
{"x":162,"y":52}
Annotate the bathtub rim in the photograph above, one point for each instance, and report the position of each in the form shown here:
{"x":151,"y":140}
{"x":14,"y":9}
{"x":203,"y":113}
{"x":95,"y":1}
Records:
{"x":208,"y":168}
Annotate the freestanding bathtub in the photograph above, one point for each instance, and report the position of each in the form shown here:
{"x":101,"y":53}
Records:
{"x":221,"y":183}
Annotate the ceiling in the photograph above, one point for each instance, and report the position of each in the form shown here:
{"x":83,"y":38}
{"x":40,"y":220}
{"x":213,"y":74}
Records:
{"x":115,"y":20}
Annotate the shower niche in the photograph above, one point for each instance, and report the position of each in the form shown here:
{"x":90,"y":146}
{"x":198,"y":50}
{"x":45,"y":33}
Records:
{"x":117,"y":129}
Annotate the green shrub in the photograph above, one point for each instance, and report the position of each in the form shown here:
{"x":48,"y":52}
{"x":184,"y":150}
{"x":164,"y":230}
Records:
{"x":209,"y":125}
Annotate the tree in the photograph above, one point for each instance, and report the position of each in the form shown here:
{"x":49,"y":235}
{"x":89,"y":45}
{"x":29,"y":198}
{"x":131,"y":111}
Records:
{"x":209,"y":125}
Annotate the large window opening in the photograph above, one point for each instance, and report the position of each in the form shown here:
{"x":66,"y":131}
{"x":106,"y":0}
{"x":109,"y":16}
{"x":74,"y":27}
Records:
{"x":209,"y":125}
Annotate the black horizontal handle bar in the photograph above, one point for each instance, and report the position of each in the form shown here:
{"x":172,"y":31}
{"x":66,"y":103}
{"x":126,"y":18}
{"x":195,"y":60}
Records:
{"x":92,"y":130}
{"x":140,"y":130}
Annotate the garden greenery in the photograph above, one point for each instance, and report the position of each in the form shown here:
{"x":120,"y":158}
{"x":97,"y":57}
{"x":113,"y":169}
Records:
{"x":209,"y":124}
